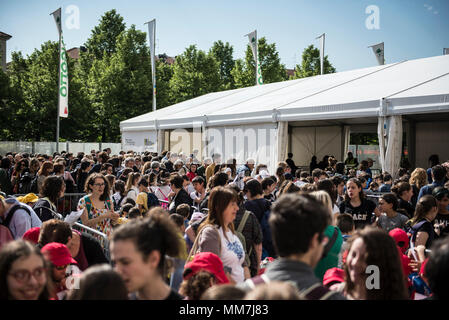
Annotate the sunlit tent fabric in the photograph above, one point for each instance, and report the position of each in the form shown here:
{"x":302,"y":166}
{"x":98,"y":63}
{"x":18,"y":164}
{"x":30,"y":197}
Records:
{"x":407,"y":87}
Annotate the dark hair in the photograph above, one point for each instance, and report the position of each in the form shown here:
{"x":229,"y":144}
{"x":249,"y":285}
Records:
{"x":177,"y":181}
{"x":289,"y":187}
{"x":340,"y":168}
{"x":434,"y":160}
{"x":90,"y":182}
{"x":219,"y":199}
{"x":400,"y":188}
{"x":253,"y":187}
{"x":100,"y":282}
{"x":45,"y":169}
{"x":345,"y":222}
{"x":197,"y":284}
{"x":336,"y":180}
{"x":423,"y":206}
{"x":328,"y":186}
{"x":440,"y":192}
{"x":119,"y":186}
{"x":51,"y":188}
{"x":391,"y":199}
{"x":266,"y":183}
{"x":224,"y":292}
{"x":134,"y":213}
{"x":11,"y":252}
{"x":392,"y":281}
{"x":439,"y":172}
{"x":317,"y":173}
{"x":156,"y":232}
{"x":58,"y":168}
{"x":359,"y":185}
{"x":5,"y":163}
{"x":436,"y":269}
{"x":177,"y":219}
{"x":183,"y":209}
{"x":387,"y":177}
{"x":294,"y":220}
{"x":54,"y":230}
{"x":143,"y":182}
{"x":125,"y":208}
{"x":220,"y":179}
{"x":199,"y":179}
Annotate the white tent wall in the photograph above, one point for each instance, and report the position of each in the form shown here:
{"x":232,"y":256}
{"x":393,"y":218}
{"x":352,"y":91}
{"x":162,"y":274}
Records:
{"x":186,"y":140}
{"x":258,"y":141}
{"x":139,"y":141}
{"x":319,"y":141}
{"x":431,"y":138}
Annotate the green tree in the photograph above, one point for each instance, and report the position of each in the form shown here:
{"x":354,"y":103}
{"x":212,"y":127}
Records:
{"x":103,"y":38}
{"x":310,"y":65}
{"x":194,"y":73}
{"x":244,"y":71}
{"x":120,"y":86}
{"x":223,"y":54}
{"x":164,"y":72}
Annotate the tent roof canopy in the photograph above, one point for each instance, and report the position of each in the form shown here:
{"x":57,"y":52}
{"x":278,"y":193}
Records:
{"x":407,"y":87}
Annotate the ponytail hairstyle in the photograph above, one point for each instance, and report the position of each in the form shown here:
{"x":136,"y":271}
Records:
{"x":399,"y":188}
{"x":424,"y":205}
{"x":391,"y":199}
{"x":156,"y":232}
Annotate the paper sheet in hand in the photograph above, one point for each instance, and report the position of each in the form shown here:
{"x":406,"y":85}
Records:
{"x":73,"y":217}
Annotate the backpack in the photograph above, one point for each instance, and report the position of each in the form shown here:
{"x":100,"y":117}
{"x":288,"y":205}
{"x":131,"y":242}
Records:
{"x":117,"y":204}
{"x":13,"y":210}
{"x":242,"y":239}
{"x":267,"y":242}
{"x":25,"y":183}
{"x":152,"y":200}
{"x":33,"y":187}
{"x":412,"y":232}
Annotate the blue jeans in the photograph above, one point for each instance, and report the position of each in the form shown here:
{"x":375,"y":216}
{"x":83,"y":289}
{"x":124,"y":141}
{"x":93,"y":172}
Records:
{"x":176,"y":277}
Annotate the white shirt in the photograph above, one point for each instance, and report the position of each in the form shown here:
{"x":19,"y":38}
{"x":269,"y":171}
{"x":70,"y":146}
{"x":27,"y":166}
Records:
{"x":232,"y":255}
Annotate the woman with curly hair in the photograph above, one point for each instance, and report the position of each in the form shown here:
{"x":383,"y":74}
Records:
{"x":418,"y":179}
{"x":370,"y":248}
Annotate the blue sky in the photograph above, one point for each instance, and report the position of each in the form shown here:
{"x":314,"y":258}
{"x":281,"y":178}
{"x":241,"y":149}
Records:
{"x":411,"y":29}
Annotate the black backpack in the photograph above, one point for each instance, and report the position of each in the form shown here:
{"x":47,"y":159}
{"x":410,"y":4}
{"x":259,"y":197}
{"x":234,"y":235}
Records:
{"x":33,"y":186}
{"x":152,"y":200}
{"x":13,"y":210}
{"x":25,"y":183}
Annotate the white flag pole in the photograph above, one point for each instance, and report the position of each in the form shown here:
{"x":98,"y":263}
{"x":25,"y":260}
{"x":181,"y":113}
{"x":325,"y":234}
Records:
{"x":58,"y":25}
{"x":322,"y":37}
{"x":152,"y":40}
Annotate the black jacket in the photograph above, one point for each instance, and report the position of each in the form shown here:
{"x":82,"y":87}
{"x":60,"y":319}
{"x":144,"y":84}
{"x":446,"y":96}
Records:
{"x":180,"y":198}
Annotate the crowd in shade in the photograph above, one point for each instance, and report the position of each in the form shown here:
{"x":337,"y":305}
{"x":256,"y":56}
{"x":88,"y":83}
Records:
{"x":172,"y":227}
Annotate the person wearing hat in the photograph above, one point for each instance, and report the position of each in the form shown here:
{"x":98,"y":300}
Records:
{"x":204,"y":271}
{"x":29,"y":199}
{"x":60,"y":258}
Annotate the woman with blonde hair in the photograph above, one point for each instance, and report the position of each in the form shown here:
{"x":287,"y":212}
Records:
{"x":132,"y":189}
{"x":418,"y":179}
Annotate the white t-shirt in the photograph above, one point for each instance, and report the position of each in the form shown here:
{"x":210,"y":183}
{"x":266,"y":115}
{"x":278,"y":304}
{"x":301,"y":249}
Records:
{"x":133,"y":192}
{"x":232,"y":255}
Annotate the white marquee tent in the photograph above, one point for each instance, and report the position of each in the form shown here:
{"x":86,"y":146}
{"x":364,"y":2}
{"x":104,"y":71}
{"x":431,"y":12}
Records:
{"x":307,"y":115}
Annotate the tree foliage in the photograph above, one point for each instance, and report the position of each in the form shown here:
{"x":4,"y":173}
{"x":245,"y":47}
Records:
{"x":310,"y":65}
{"x":111,"y":82}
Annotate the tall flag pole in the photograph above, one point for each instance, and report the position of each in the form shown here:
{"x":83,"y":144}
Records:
{"x":378,"y":50}
{"x":63,"y":77}
{"x":152,"y":37}
{"x":323,"y":36}
{"x":254,"y":47}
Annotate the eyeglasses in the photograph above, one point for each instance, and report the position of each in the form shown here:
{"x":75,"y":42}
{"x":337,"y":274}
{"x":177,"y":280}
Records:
{"x":25,"y":275}
{"x":60,"y":268}
{"x":99,"y":184}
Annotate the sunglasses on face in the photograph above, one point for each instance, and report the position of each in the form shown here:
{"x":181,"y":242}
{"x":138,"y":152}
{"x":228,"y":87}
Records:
{"x":25,"y":275}
{"x":99,"y":184}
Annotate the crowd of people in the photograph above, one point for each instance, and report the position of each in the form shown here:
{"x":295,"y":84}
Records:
{"x":176,"y":227}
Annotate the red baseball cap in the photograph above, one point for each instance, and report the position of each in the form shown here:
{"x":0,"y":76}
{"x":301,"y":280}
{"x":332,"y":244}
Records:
{"x":401,"y":238}
{"x":333,"y":275}
{"x":206,"y":261}
{"x":58,"y":254}
{"x":32,"y":235}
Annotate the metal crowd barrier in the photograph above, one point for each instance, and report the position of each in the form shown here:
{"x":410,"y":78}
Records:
{"x":101,"y":237}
